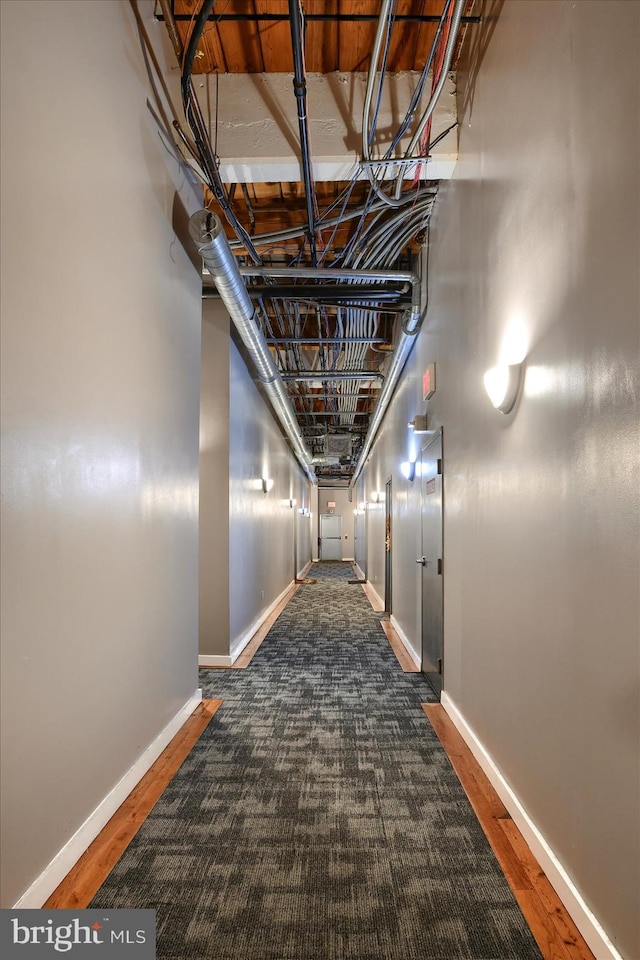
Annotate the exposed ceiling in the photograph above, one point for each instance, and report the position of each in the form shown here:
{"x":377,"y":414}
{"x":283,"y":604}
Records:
{"x":254,"y":36}
{"x":333,"y":342}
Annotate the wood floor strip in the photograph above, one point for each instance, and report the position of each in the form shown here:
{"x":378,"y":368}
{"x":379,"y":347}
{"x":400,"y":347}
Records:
{"x":572,"y":939}
{"x":399,"y":648}
{"x":555,"y":932}
{"x":372,"y":597}
{"x":395,"y":642}
{"x":81,"y":883}
{"x":252,"y":647}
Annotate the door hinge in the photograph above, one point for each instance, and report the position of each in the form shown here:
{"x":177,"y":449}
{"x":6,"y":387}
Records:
{"x":439,"y":565}
{"x":440,"y":665}
{"x":440,"y":466}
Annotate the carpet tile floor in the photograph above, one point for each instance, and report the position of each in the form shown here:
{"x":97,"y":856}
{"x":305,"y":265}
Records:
{"x":318,"y":817}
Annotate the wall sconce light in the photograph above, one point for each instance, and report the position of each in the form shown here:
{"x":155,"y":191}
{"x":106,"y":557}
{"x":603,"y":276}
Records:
{"x":377,"y":497}
{"x":408,"y":469}
{"x":419,"y":424}
{"x":267,"y":484}
{"x":292,"y":503}
{"x":503,"y":385}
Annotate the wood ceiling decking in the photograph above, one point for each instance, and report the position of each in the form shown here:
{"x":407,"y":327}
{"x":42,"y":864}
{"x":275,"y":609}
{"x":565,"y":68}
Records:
{"x":244,"y":37}
{"x":264,"y":46}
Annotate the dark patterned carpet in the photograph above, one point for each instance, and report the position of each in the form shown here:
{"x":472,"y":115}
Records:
{"x":318,"y":817}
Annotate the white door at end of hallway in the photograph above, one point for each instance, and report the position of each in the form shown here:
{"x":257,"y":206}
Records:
{"x":330,"y":536}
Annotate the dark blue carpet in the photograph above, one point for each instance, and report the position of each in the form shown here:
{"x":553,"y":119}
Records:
{"x":318,"y":817}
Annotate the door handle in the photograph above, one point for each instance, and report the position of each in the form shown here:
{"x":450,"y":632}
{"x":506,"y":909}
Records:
{"x":422,"y":560}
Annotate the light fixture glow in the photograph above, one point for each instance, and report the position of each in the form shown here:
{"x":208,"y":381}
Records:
{"x":408,"y":469}
{"x":502,"y":385}
{"x":419,"y":423}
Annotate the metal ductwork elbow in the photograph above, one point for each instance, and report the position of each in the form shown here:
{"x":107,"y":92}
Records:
{"x":208,"y":234}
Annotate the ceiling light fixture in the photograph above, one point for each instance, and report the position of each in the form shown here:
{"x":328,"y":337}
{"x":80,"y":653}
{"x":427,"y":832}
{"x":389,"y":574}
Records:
{"x":503,"y":385}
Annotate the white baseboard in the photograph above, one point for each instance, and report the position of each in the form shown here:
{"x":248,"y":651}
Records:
{"x":209,"y":660}
{"x":248,"y":635}
{"x":302,"y":573}
{"x":376,"y":595}
{"x":586,"y":922}
{"x":405,"y":640}
{"x":53,"y":874}
{"x":359,"y":573}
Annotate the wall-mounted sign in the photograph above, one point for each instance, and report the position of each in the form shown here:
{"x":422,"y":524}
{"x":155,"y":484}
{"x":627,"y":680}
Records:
{"x":431,"y":485}
{"x":429,"y":381}
{"x":331,"y":503}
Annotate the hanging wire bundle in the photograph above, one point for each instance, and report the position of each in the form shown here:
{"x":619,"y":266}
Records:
{"x":380,"y":229}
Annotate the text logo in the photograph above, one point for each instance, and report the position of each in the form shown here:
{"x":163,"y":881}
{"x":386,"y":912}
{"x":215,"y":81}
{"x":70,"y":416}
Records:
{"x":79,"y":934}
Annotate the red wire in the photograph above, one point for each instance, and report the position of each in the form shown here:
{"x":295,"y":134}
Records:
{"x":437,"y":70}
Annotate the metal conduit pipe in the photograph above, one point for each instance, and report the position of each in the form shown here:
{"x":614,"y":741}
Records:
{"x":291,"y":233}
{"x":208,"y":234}
{"x":300,"y":90}
{"x":397,"y":199}
{"x":448,"y":53}
{"x":400,"y":357}
{"x":330,"y":273}
{"x":327,"y":293}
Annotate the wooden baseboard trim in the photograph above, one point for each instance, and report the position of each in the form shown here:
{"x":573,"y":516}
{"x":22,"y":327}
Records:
{"x":555,"y":932}
{"x":402,"y":654}
{"x":569,"y":895}
{"x":58,"y":868}
{"x":409,"y":652}
{"x":374,"y":599}
{"x":89,"y":873}
{"x":242,"y":660}
{"x":246,"y":648}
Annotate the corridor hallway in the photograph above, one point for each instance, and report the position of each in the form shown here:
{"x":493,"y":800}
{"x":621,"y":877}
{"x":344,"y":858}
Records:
{"x":318,"y":817}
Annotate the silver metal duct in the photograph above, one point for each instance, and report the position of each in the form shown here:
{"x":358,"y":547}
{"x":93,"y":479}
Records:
{"x":208,"y":234}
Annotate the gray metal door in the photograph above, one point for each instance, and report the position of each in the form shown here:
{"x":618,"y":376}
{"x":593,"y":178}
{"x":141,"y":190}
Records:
{"x":431,"y":561}
{"x":330,"y":536}
{"x":388,"y":582}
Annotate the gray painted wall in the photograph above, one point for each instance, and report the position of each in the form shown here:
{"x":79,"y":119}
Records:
{"x":261,"y":525}
{"x":535,"y":253}
{"x":247,"y":537}
{"x":214,"y":481}
{"x":100,"y":362}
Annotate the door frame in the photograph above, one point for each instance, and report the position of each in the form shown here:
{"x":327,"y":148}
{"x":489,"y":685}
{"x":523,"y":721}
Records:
{"x":388,"y":547}
{"x":333,"y":516}
{"x":438,"y":436}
